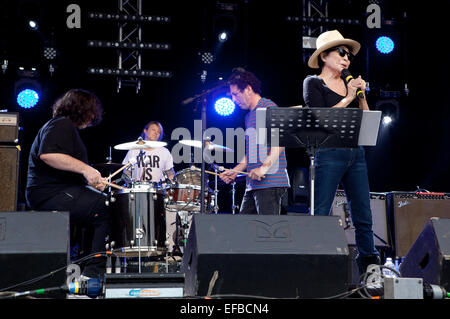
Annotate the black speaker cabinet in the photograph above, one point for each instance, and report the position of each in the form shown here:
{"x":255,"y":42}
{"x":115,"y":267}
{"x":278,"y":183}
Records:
{"x":410,"y":212}
{"x":429,"y":257}
{"x":260,"y":255}
{"x":33,"y":244}
{"x":9,"y":175}
{"x":379,"y":218}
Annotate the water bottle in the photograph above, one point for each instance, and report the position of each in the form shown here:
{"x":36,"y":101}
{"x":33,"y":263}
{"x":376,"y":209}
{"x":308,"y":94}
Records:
{"x":387,"y":272}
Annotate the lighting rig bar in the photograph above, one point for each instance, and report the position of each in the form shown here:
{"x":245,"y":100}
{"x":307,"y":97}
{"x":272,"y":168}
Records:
{"x":128,"y":17}
{"x":133,"y":73}
{"x":128,"y":45}
{"x":323,"y":20}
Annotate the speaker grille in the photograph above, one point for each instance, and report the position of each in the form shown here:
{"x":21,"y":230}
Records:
{"x":9,"y":175}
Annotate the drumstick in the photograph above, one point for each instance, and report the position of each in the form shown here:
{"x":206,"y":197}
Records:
{"x":112,"y":185}
{"x":214,"y":173}
{"x":233,"y":170}
{"x":131,"y":162}
{"x":209,"y":172}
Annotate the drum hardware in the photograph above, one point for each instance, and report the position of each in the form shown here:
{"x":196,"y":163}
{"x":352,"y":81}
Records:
{"x":233,"y":198}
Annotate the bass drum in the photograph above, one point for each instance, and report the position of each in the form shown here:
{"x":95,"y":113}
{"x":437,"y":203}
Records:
{"x":138,"y":222}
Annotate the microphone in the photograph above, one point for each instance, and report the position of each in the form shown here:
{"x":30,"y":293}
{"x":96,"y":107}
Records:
{"x":91,"y":287}
{"x":345,"y":74}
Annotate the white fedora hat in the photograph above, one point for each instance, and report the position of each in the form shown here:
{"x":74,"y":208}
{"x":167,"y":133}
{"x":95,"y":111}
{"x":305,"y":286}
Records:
{"x":328,"y":40}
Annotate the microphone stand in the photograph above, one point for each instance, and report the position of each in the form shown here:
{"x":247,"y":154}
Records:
{"x":203,"y":96}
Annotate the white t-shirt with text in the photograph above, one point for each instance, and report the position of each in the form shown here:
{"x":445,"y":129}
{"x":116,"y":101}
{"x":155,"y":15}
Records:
{"x":150,"y":166}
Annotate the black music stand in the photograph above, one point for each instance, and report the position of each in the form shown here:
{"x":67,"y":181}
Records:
{"x":313,"y":128}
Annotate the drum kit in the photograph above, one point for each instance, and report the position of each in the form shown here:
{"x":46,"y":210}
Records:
{"x":153,"y":219}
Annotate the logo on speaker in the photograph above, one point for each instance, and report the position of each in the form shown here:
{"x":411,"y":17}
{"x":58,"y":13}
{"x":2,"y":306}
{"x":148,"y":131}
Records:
{"x":277,"y":232}
{"x":402,"y":203}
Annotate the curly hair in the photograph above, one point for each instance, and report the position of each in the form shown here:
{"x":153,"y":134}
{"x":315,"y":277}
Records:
{"x":80,"y":106}
{"x":241,"y":78}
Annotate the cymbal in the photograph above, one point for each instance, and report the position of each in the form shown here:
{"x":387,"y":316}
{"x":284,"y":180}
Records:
{"x":209,"y":145}
{"x":139,"y":144}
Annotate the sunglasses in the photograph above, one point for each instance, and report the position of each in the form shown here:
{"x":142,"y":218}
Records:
{"x":343,"y":52}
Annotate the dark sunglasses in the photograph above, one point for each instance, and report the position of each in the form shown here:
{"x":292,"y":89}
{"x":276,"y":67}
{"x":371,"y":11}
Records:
{"x":343,"y":52}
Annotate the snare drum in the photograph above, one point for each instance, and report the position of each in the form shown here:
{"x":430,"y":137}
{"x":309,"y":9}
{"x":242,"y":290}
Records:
{"x":138,"y":221}
{"x":189,"y":176}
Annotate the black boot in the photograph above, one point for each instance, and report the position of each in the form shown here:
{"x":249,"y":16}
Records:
{"x":364,"y":261}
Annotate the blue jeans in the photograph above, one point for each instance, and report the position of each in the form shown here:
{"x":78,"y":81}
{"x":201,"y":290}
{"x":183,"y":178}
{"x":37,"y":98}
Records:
{"x":348,"y":167}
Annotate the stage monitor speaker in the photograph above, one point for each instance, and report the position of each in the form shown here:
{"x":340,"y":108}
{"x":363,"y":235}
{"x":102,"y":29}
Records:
{"x":33,"y":244}
{"x":410,"y":212}
{"x":9,"y":175}
{"x":429,"y":257}
{"x":380,"y":226}
{"x":265,"y":256}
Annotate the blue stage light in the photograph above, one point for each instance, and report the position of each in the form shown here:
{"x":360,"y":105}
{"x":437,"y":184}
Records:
{"x":224,"y":106}
{"x":385,"y":45}
{"x":27,"y":98}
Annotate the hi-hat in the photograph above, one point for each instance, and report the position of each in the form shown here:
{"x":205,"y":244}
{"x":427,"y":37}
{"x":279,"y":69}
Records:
{"x":208,"y":145}
{"x":107,"y":166}
{"x":139,"y":144}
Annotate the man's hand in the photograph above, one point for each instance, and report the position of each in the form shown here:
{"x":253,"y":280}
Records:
{"x":228,"y":176}
{"x":92,"y":176}
{"x":258,"y":173}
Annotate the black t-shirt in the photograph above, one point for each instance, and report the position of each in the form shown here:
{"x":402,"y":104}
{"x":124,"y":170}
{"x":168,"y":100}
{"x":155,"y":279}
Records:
{"x":59,"y":135}
{"x":317,"y":94}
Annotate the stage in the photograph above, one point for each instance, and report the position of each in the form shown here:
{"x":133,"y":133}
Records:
{"x":180,"y":243}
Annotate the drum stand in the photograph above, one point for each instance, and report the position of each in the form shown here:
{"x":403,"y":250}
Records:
{"x":202,"y":99}
{"x":216,"y":191}
{"x":233,"y":199}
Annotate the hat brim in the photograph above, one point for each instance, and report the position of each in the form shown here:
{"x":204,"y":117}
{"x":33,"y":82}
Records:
{"x":353,"y":45}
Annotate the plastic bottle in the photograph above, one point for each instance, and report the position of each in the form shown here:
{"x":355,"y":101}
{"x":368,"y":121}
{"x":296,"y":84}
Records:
{"x":388,"y":272}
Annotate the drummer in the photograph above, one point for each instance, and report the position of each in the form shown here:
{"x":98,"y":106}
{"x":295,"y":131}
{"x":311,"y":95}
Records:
{"x":152,"y":164}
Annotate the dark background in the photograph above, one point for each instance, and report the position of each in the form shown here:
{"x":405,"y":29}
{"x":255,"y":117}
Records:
{"x":412,"y":153}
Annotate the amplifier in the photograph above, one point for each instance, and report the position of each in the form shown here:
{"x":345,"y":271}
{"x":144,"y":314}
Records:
{"x":9,"y":175}
{"x":379,"y":217}
{"x":144,"y":285}
{"x":9,"y":127}
{"x":409,"y":212}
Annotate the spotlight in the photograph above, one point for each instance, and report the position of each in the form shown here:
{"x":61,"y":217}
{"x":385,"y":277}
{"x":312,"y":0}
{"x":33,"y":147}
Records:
{"x":224,"y":106}
{"x":27,"y":98}
{"x":207,"y":57}
{"x":390,"y":111}
{"x":49,"y":53}
{"x":385,"y":45}
{"x":33,"y":25}
{"x":387,"y":120}
{"x":223,"y":36}
{"x":27,"y":89}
